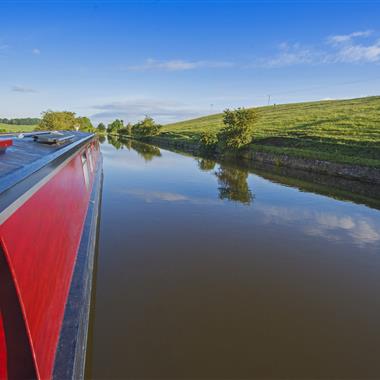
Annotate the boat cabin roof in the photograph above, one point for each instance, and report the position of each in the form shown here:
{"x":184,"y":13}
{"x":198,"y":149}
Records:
{"x":30,"y":152}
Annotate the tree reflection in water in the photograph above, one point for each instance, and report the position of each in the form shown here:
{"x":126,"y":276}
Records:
{"x":233,"y":184}
{"x":147,"y":152}
{"x":206,"y":165}
{"x":115,"y":142}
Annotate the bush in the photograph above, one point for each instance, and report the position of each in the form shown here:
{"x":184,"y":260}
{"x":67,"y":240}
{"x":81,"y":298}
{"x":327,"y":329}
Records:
{"x":238,"y":128}
{"x":146,"y":127}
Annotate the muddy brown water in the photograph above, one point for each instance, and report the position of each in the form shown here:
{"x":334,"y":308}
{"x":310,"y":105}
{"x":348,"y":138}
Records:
{"x":208,"y":271}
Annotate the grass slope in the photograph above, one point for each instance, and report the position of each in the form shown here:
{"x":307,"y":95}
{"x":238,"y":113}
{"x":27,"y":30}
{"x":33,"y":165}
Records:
{"x":16,"y":128}
{"x":345,"y":131}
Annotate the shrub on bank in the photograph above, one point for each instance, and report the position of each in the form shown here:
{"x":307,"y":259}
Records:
{"x":146,"y":128}
{"x":238,"y":128}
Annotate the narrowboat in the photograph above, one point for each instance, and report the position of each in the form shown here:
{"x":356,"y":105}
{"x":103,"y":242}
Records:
{"x":50,"y":194}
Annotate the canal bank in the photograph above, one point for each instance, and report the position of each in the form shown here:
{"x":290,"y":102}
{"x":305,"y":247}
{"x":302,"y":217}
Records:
{"x":353,"y":172}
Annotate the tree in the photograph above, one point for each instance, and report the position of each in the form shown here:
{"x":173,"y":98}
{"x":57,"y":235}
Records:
{"x":115,"y":126}
{"x":52,"y":121}
{"x":238,"y":128}
{"x":85,"y":124}
{"x":127,"y":130}
{"x":146,"y":127}
{"x":101,"y":128}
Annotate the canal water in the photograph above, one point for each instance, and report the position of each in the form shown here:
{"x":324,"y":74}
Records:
{"x":209,"y":271}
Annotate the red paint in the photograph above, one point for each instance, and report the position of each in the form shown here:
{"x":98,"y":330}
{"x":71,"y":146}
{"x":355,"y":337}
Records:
{"x":5,"y":143}
{"x":41,"y":241}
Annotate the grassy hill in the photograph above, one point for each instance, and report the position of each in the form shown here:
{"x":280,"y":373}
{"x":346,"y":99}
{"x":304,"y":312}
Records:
{"x":16,"y":128}
{"x":346,"y":131}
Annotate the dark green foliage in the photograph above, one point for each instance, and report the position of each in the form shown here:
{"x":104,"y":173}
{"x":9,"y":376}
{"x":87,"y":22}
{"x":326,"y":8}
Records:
{"x":146,"y":128}
{"x":115,"y":126}
{"x":238,"y":128}
{"x":101,"y":128}
{"x":233,"y":184}
{"x":21,"y":121}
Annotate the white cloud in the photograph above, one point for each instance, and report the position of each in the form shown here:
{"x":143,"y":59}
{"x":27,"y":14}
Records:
{"x":356,"y":53}
{"x":348,"y":50}
{"x":163,"y":196}
{"x":348,"y":37}
{"x":23,"y":89}
{"x":36,"y":51}
{"x":178,"y":65}
{"x":338,"y":49}
{"x":289,"y":55}
{"x":151,"y":196}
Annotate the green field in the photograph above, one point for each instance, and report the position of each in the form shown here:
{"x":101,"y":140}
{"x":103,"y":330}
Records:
{"x":345,"y":131}
{"x":16,"y":128}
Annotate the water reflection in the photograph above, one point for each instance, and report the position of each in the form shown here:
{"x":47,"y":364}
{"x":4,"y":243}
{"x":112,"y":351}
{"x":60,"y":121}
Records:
{"x":115,"y":142}
{"x":147,"y":152}
{"x":191,"y":286}
{"x":205,"y":164}
{"x":233,"y":184}
{"x":102,"y":138}
{"x":232,"y":181}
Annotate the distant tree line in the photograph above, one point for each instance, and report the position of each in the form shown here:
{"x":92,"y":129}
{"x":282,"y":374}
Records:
{"x":236,"y":134}
{"x":21,"y":121}
{"x":143,"y":128}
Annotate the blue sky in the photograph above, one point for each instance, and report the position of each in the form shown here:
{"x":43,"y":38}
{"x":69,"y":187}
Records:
{"x":175,"y":60}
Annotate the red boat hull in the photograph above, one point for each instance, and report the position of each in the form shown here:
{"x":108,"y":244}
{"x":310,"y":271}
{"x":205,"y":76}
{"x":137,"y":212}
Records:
{"x":40,"y":235}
